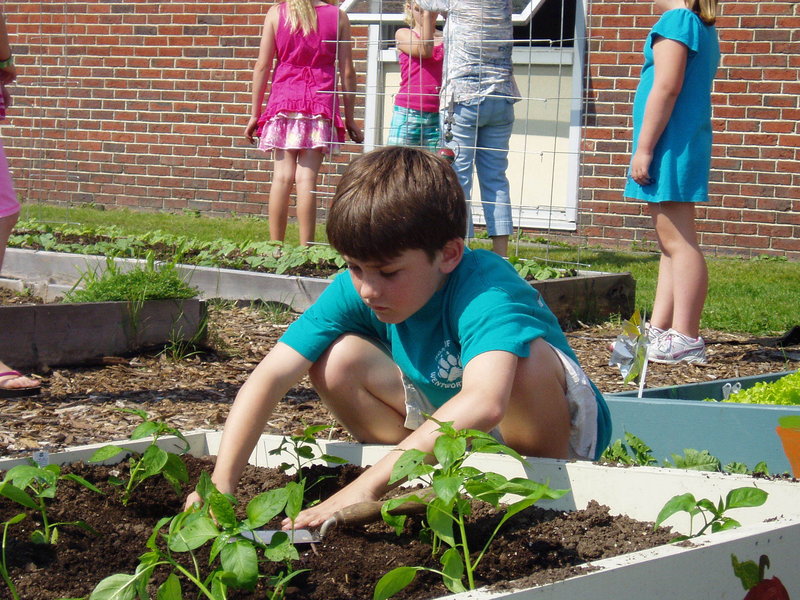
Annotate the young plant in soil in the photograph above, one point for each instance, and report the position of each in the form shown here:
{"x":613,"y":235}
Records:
{"x":454,"y":485}
{"x":232,"y":544}
{"x":713,"y":515}
{"x":153,"y":461}
{"x":3,"y":559}
{"x":31,"y":486}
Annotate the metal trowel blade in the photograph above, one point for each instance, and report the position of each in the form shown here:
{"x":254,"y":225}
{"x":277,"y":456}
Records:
{"x":296,"y":536}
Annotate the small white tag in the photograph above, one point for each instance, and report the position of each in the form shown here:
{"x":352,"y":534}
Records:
{"x":41,"y":458}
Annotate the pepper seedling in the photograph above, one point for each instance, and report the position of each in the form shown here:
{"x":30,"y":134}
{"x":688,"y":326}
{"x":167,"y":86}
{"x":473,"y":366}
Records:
{"x":454,"y":485}
{"x":153,"y":461}
{"x":31,"y":486}
{"x":713,"y":515}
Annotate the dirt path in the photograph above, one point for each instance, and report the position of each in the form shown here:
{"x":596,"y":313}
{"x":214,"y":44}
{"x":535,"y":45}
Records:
{"x":77,"y":404}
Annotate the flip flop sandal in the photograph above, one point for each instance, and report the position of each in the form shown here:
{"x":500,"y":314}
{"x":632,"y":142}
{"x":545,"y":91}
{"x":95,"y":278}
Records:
{"x":17,"y":392}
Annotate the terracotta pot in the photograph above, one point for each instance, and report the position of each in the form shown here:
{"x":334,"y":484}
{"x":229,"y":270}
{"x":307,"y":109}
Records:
{"x":790,"y":438}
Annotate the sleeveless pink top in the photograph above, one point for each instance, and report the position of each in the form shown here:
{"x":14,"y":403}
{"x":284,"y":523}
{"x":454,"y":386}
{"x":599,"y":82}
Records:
{"x":305,"y":73}
{"x":420,"y":80}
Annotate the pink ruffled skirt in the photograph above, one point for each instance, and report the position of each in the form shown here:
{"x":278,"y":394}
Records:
{"x":299,"y":131}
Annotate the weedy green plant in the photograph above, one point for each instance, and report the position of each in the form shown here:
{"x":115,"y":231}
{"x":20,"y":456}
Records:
{"x":32,"y":486}
{"x":713,"y":516}
{"x":153,"y":461}
{"x":781,"y":392}
{"x":147,"y":282}
{"x":234,"y":548}
{"x":529,"y":269}
{"x":454,"y":485}
{"x":633,"y":451}
{"x":12,"y":589}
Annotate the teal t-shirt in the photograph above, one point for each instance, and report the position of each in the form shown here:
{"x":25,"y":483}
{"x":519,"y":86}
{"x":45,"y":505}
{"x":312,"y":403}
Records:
{"x":483,"y":306}
{"x":682,"y":156}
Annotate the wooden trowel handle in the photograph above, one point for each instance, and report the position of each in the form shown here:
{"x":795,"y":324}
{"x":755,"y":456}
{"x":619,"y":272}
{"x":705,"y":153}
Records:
{"x":368,"y":512}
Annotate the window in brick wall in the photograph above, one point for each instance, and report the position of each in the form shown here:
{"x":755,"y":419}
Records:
{"x":548,"y":58}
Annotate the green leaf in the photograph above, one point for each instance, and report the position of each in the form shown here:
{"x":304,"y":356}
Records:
{"x":222,"y":508}
{"x":265,"y":507}
{"x":723,"y":524}
{"x":19,"y":496}
{"x":745,"y":496}
{"x":453,"y":571}
{"x":294,"y":499}
{"x":193,"y":535}
{"x":790,"y":422}
{"x":145,"y":429}
{"x":153,"y":459}
{"x":407,"y":465}
{"x":683,"y":503}
{"x":746,"y":571}
{"x":115,"y":587}
{"x":696,"y":461}
{"x":239,"y":557}
{"x":440,"y":520}
{"x":281,"y":548}
{"x":449,"y":451}
{"x":83,"y":482}
{"x":175,"y":467}
{"x":170,"y":589}
{"x":105,"y":453}
{"x":447,"y":488}
{"x":394,"y":581}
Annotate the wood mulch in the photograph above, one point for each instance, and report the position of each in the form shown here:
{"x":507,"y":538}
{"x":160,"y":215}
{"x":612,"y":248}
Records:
{"x":77,"y":404}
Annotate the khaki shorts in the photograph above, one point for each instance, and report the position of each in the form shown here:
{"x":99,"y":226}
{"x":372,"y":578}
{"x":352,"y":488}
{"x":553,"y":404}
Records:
{"x":580,"y":396}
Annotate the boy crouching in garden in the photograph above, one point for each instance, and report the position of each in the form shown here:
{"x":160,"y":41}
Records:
{"x":419,"y":325}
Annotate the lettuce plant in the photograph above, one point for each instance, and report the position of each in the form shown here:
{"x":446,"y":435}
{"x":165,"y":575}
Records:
{"x":784,"y":392}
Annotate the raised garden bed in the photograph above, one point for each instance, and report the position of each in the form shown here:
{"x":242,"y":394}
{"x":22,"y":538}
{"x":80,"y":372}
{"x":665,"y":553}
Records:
{"x":48,"y":335}
{"x":670,"y":419}
{"x":587,"y":296}
{"x":698,"y":569}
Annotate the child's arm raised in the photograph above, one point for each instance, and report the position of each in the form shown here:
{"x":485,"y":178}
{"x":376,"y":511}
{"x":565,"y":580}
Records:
{"x":669,"y":59}
{"x":422,"y":46}
{"x":280,"y":369}
{"x":262,"y":69}
{"x":347,"y":76}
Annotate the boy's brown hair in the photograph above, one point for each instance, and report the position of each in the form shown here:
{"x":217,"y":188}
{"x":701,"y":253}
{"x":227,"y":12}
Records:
{"x":396,"y":199}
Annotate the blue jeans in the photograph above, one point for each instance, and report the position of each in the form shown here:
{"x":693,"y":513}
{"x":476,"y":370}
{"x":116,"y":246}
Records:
{"x":481,"y":133}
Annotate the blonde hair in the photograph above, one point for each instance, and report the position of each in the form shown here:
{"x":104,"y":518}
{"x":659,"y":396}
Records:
{"x":408,"y":13}
{"x":705,"y":9}
{"x":300,"y":14}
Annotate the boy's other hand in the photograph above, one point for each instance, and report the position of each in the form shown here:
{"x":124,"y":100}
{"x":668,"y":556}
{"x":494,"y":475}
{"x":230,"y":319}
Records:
{"x":191,"y":499}
{"x":315,"y":516}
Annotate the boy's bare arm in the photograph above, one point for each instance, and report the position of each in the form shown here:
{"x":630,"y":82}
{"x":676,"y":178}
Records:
{"x":487,"y":383}
{"x":280,"y":369}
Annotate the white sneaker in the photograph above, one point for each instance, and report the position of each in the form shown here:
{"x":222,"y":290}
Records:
{"x":673,"y":347}
{"x":653,"y":333}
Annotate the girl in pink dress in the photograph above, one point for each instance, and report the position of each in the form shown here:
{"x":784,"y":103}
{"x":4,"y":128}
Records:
{"x":301,"y":121}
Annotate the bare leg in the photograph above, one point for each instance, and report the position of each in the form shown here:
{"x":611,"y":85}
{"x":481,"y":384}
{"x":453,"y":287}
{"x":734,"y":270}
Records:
{"x":663,"y":304}
{"x":687,"y":275}
{"x":308,"y":164}
{"x":537,"y":420}
{"x":500,"y":245}
{"x":6,"y":226}
{"x":363,"y":389}
{"x":284,"y":167}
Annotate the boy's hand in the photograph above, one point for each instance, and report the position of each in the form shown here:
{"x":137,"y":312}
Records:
{"x":315,"y":516}
{"x":191,"y":499}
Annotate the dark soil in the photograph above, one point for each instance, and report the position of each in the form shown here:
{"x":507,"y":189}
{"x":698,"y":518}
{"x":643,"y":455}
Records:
{"x":538,"y":545}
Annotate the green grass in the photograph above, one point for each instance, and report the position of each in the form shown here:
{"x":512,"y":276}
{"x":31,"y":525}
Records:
{"x":756,"y":297}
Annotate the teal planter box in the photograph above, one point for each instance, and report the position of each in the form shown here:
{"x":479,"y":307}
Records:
{"x":673,"y":418}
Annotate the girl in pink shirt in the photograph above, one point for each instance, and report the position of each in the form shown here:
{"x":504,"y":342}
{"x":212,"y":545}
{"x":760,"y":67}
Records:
{"x":301,"y":121}
{"x":415,"y":120}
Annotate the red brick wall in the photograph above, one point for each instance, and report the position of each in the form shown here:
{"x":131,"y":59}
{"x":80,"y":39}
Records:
{"x":140,"y":103}
{"x":755,"y":172}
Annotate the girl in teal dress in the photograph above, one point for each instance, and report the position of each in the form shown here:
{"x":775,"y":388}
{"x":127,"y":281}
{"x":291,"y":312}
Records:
{"x":670,"y":166}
